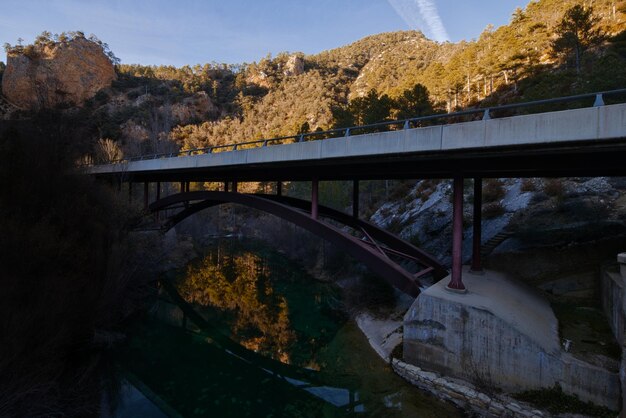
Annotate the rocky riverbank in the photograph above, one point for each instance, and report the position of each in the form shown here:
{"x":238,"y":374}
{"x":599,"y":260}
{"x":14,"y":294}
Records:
{"x":385,"y":335}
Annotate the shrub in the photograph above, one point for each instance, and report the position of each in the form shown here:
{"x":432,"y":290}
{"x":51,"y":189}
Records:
{"x":554,"y":187}
{"x":402,"y":191}
{"x":31,"y":52}
{"x":528,"y":185}
{"x":101,"y":97}
{"x":493,"y":210}
{"x":493,"y":190}
{"x":557,"y":402}
{"x":426,"y":188}
{"x":68,"y":280}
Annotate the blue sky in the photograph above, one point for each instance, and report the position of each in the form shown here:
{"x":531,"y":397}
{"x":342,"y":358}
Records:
{"x":179,"y":32}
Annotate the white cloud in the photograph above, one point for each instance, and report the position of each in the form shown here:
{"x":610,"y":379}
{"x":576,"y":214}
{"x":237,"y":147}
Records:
{"x":421,"y":15}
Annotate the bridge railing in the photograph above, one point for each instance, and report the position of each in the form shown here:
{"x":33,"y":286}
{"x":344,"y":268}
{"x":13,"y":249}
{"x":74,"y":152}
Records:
{"x":484,"y":113}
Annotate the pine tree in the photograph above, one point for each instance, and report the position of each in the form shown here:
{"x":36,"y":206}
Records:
{"x":413,"y":102}
{"x":576,"y":33}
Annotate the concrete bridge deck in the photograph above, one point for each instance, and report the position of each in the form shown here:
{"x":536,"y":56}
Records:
{"x":587,"y":142}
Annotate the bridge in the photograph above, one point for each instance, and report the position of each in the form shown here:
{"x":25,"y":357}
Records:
{"x":587,"y":141}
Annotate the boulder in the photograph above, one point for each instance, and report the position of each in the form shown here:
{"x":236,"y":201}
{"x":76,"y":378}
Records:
{"x":48,"y":75}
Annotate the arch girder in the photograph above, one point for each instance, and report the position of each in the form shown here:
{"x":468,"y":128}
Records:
{"x":371,"y":257}
{"x":387,"y":238}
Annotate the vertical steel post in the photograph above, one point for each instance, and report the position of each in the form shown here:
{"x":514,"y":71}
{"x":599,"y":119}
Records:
{"x":187,"y":186}
{"x":456,"y":279}
{"x":226,"y":186}
{"x":158,"y":196}
{"x":477,"y":227}
{"x":146,"y":193}
{"x":355,"y":199}
{"x":184,"y":188}
{"x":314,"y":198}
{"x":279,"y":188}
{"x":234,"y":187}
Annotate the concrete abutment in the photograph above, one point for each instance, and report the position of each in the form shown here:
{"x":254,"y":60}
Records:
{"x":500,"y":334}
{"x":614,"y":304}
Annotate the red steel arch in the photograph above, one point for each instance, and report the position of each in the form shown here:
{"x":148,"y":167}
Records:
{"x":373,"y":252}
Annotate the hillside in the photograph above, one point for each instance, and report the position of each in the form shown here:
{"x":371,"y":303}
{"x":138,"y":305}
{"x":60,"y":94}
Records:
{"x":515,"y":62}
{"x":162,"y":108}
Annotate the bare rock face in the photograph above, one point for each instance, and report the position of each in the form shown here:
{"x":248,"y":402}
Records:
{"x":62,"y":73}
{"x":261,"y":79}
{"x":132,"y":130}
{"x":294,"y":66}
{"x":197,"y":107}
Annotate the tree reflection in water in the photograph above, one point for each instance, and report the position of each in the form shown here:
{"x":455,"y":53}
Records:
{"x":255,"y":295}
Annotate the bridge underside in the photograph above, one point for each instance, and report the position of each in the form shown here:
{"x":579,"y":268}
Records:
{"x":597,"y":158}
{"x":397,"y":261}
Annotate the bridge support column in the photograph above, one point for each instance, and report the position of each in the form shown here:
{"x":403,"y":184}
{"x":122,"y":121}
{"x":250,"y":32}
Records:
{"x":226,"y":186}
{"x":314,"y":198}
{"x":355,"y":199}
{"x":279,"y":188}
{"x":234,"y":187}
{"x":456,"y":279}
{"x":158,"y":196}
{"x":477,"y":227}
{"x":184,"y":188}
{"x":146,"y":195}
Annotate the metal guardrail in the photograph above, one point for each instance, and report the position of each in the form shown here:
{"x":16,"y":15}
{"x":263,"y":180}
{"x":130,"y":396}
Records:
{"x":346,"y":132}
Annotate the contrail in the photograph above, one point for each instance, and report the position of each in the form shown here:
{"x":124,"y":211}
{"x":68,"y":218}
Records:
{"x":422,"y":15}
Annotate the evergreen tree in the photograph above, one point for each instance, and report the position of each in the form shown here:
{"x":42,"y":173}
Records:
{"x":370,"y":108}
{"x":577,"y":33}
{"x":343,"y":117}
{"x":413,"y":103}
{"x":304,"y":128}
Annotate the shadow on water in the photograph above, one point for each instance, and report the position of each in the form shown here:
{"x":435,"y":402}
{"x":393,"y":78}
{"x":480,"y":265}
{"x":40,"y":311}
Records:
{"x":243,"y":332}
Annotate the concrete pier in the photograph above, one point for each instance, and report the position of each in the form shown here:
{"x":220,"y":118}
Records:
{"x":614,"y":304}
{"x":501,"y":334}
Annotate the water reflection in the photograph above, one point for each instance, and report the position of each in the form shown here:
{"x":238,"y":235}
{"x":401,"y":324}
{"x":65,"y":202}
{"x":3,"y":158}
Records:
{"x":244,"y":332}
{"x":239,"y":284}
{"x":269,"y":304}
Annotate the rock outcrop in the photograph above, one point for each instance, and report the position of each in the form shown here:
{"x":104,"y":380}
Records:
{"x":197,"y":107}
{"x":294,"y":66}
{"x":45,"y":76}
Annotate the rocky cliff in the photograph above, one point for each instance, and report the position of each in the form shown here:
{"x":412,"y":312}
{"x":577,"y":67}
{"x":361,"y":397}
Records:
{"x":51,"y":74}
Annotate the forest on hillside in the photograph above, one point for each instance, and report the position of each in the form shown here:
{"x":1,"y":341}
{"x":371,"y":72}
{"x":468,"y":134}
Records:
{"x":540,"y":53}
{"x":551,"y":48}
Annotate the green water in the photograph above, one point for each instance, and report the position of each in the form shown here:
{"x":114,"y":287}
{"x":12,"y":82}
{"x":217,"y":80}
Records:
{"x":245,"y":332}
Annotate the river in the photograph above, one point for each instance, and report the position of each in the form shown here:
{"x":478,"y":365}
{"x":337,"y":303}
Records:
{"x":244,"y":332}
